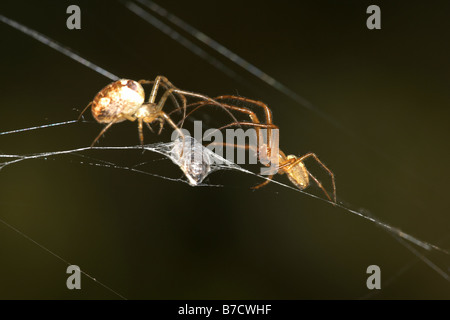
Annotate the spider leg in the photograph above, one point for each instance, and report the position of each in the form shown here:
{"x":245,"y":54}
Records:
{"x":252,"y":124}
{"x":170,"y":90}
{"x":115,"y":120}
{"x":267,"y":111}
{"x":84,"y":110}
{"x":163,"y":81}
{"x":320,"y":186}
{"x":128,"y":117}
{"x":183,"y":98}
{"x":181,"y":93}
{"x":102,"y":132}
{"x":161,"y":125}
{"x":140,"y":127}
{"x":168,"y":120}
{"x":313,"y":155}
{"x":205,"y":98}
{"x":260,"y":144}
{"x":149,"y":127}
{"x":159,"y":80}
{"x":155,"y":88}
{"x":286,"y":163}
{"x":169,"y":86}
{"x":141,"y":132}
{"x":269,"y":179}
{"x":247,"y":111}
{"x":163,"y":99}
{"x":255,"y":123}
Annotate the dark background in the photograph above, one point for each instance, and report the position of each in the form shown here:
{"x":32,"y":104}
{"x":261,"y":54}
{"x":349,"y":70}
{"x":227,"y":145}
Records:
{"x":150,"y":238}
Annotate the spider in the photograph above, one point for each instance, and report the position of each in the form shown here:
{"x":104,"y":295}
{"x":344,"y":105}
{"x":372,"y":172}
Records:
{"x":291,"y":165}
{"x":124,"y":99}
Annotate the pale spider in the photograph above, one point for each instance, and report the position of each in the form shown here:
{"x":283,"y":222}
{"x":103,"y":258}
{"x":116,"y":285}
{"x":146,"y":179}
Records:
{"x":291,"y":165}
{"x":125,"y":100}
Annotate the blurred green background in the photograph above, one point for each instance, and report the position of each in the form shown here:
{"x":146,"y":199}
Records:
{"x":150,"y":238}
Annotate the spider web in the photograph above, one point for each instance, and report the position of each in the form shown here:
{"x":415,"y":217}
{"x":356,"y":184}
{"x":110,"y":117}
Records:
{"x":194,"y":172}
{"x":196,"y":168}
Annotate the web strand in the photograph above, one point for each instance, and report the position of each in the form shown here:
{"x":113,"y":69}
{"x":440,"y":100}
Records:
{"x":59,"y":257}
{"x":221,"y":50}
{"x":53,"y":44}
{"x":161,"y":26}
{"x":50,"y":125}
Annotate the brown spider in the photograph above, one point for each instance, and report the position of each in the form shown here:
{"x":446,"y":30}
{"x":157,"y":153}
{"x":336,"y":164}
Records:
{"x":125,"y":100}
{"x":290,"y":165}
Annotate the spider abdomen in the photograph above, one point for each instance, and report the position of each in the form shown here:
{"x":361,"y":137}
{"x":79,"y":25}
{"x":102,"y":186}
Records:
{"x":299,"y":176}
{"x":119,"y":98}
